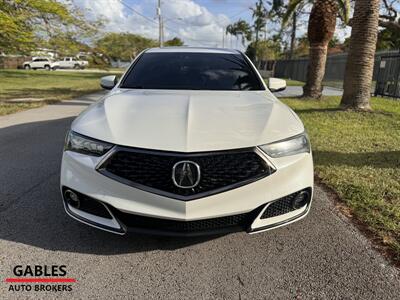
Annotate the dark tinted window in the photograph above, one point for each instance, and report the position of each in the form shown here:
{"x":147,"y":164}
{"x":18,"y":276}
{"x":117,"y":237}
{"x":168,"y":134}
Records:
{"x":192,"y":71}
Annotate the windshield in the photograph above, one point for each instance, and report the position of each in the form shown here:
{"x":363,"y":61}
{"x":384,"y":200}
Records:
{"x":192,"y":71}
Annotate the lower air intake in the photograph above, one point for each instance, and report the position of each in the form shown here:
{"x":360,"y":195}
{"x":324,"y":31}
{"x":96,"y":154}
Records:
{"x":288,"y":204}
{"x":239,"y":222}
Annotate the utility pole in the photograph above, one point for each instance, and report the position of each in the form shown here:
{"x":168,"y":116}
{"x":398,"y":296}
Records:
{"x":160,"y":25}
{"x":223,"y":37}
{"x":265,"y":33}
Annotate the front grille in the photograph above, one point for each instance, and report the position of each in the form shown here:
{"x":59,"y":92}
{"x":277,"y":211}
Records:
{"x":283,"y":205}
{"x":152,"y":170}
{"x":239,"y":222}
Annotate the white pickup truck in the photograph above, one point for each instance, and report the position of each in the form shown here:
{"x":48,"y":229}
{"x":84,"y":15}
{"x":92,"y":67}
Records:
{"x":70,"y":63}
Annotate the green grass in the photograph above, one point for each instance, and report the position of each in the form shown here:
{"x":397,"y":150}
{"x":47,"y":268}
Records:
{"x":10,"y":108}
{"x":45,"y":85}
{"x":290,"y":82}
{"x":358,"y":155}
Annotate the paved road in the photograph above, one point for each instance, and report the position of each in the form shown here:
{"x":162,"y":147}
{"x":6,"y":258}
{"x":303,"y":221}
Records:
{"x":297,"y":91}
{"x":322,"y":256}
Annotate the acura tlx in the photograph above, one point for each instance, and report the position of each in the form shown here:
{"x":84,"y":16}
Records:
{"x":189,"y":141}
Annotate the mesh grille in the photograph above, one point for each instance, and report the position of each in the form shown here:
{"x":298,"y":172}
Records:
{"x":281,"y":206}
{"x":90,"y":205}
{"x":152,"y":170}
{"x":241,"y":221}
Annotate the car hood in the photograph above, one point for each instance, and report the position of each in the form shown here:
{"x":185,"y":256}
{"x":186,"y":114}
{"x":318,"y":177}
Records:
{"x":188,"y":121}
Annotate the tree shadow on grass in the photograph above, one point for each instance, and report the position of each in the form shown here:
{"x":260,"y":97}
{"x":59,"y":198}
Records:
{"x":380,"y":159}
{"x":47,"y":93}
{"x":313,"y":110}
{"x":21,"y":74}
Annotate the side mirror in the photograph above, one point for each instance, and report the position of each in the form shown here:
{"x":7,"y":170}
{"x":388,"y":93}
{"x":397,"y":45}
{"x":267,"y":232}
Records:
{"x":276,"y":84}
{"x":108,"y":82}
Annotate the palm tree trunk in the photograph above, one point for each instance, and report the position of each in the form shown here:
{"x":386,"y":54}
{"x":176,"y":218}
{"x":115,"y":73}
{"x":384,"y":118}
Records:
{"x":293,"y":35}
{"x":321,"y":27}
{"x":315,"y":71}
{"x":360,"y":61}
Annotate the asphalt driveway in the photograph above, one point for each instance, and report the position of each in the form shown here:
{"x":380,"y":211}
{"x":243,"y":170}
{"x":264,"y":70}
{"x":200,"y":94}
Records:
{"x":297,"y":91}
{"x":323,"y":256}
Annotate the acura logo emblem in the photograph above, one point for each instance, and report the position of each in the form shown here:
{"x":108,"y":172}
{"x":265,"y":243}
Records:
{"x":186,"y":174}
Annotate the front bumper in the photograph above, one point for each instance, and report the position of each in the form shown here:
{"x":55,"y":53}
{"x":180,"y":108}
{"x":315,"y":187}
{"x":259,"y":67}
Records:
{"x":133,"y":209}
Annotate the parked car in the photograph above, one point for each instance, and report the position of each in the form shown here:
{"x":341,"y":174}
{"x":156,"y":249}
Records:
{"x":190,"y":141}
{"x":71,"y":63}
{"x":39,"y":63}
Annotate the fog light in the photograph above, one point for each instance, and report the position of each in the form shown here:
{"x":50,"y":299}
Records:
{"x":72,"y":199}
{"x":301,"y":200}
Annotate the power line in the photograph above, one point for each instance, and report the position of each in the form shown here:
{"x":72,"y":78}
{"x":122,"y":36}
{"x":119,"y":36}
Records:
{"x":156,"y":23}
{"x":137,"y":12}
{"x":239,"y":13}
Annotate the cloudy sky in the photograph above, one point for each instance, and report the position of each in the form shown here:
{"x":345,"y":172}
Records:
{"x":197,"y":22}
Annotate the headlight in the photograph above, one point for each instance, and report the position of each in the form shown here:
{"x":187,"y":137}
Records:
{"x":81,"y":144}
{"x":294,"y":145}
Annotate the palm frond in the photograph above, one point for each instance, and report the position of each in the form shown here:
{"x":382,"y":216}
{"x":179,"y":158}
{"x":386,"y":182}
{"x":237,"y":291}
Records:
{"x":292,"y":6}
{"x":344,"y":10}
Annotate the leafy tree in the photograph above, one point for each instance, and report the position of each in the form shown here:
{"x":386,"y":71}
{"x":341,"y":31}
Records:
{"x":123,"y":46}
{"x":266,"y":50}
{"x":65,"y":44}
{"x":25,"y":23}
{"x":388,"y":39}
{"x":174,"y":42}
{"x":360,"y":61}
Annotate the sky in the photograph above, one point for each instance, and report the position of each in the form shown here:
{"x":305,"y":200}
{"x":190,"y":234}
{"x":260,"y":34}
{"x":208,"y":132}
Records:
{"x":197,"y":22}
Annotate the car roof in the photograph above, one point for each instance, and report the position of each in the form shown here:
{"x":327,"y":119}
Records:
{"x":192,"y":50}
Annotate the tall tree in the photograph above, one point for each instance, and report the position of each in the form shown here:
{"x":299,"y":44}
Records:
{"x":278,"y":13}
{"x":321,"y":28}
{"x":241,"y":28}
{"x":123,"y":46}
{"x":360,"y":61}
{"x":260,"y":15}
{"x":174,"y":42}
{"x":24,"y":24}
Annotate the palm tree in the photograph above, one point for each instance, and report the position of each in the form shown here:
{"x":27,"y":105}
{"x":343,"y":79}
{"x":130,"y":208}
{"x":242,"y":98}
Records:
{"x":260,"y":14}
{"x":277,"y":12}
{"x":242,"y":28}
{"x":360,"y":61}
{"x":321,"y":28}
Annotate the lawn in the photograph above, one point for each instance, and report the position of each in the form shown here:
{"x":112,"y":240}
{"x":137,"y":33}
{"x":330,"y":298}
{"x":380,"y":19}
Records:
{"x":44,"y":85}
{"x":290,"y":82}
{"x":358,"y":155}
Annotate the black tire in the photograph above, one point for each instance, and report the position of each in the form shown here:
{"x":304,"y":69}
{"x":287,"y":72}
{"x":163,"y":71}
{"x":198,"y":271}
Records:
{"x":76,"y":67}
{"x":27,"y":67}
{"x":47,"y":67}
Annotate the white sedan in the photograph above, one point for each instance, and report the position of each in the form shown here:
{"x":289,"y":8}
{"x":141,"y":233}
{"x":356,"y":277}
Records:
{"x":190,"y":141}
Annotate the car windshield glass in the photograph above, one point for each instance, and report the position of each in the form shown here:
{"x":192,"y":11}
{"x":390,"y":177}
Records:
{"x":192,"y":71}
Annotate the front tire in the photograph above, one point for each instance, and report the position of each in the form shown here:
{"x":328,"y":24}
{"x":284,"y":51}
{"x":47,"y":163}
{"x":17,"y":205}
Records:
{"x":27,"y":67}
{"x":47,"y":67}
